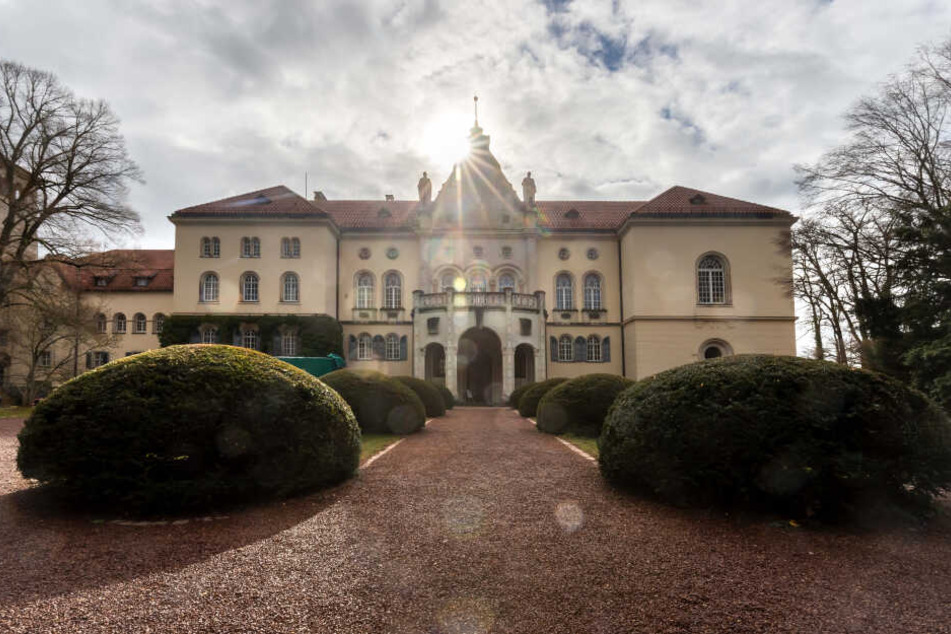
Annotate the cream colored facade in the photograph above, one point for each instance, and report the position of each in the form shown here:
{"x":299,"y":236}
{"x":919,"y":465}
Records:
{"x":483,"y":290}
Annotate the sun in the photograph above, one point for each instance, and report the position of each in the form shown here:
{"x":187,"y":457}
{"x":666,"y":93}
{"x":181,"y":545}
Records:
{"x":445,"y":140}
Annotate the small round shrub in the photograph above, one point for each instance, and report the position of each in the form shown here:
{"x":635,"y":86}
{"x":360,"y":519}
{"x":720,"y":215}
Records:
{"x":381,"y":404}
{"x":447,"y":398}
{"x":427,"y":393}
{"x":781,"y":433}
{"x":528,"y":403}
{"x":516,"y":394}
{"x":579,"y":405}
{"x":185,"y":428}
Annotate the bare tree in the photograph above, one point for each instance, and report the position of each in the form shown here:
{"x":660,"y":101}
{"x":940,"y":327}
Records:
{"x":64,"y":172}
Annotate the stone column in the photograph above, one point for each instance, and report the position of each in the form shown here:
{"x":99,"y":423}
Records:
{"x":508,"y":372}
{"x":452,"y":358}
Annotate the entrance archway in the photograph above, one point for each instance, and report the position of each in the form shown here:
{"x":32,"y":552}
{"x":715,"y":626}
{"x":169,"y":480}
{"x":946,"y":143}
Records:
{"x":524,"y":365}
{"x":436,"y":363}
{"x":480,"y":367}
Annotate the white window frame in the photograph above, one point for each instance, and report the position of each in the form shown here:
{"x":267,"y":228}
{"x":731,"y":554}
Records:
{"x":140,"y":326}
{"x":209,"y":335}
{"x":502,"y":282}
{"x":209,"y":287}
{"x":478,"y":282}
{"x":290,"y":288}
{"x":158,"y":323}
{"x":102,"y":324}
{"x":45,"y":359}
{"x":392,"y":347}
{"x":364,"y":347}
{"x":593,"y":346}
{"x":250,"y":339}
{"x":392,"y":291}
{"x":289,"y":344}
{"x":250,"y":288}
{"x":119,"y":324}
{"x":592,"y":292}
{"x":564,"y":292}
{"x":365,"y":290}
{"x":711,"y":280}
{"x":566,"y":349}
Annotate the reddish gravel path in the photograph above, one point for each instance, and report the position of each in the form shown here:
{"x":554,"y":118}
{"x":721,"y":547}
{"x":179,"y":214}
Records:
{"x":477,"y":524}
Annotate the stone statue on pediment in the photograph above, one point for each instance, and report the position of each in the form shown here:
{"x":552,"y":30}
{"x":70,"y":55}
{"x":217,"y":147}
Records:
{"x":425,"y":189}
{"x":528,"y":189}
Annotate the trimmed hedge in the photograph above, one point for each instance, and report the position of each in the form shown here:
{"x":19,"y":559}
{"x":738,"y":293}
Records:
{"x":794,"y":435}
{"x":516,"y":394}
{"x":580,"y":405}
{"x":381,"y":404}
{"x":447,"y":398}
{"x":319,"y":335}
{"x":187,"y":428}
{"x":528,"y":403}
{"x":427,"y":393}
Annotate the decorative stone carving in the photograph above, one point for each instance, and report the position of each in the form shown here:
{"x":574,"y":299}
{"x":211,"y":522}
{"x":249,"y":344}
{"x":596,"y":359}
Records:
{"x":392,"y":253}
{"x":364,"y":253}
{"x":593,"y":254}
{"x":528,"y":190}
{"x":564,"y":253}
{"x":425,"y":189}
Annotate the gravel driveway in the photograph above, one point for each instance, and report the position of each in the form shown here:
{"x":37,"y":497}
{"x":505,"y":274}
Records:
{"x":477,"y":524}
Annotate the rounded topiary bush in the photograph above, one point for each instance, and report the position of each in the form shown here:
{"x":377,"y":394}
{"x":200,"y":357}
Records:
{"x":579,"y":405}
{"x":789,"y":434}
{"x":189,"y":427}
{"x":528,"y":403}
{"x":516,"y":394}
{"x":381,"y":404}
{"x":427,"y":393}
{"x":447,"y":398}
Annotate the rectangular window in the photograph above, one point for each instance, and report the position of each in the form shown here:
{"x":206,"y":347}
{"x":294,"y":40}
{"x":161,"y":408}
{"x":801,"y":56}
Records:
{"x":525,"y":326}
{"x":45,"y":360}
{"x":289,"y":344}
{"x":98,"y":358}
{"x":364,"y":349}
{"x":565,"y":349}
{"x":142,"y":281}
{"x":432,"y":325}
{"x":392,"y":349}
{"x":101,"y":281}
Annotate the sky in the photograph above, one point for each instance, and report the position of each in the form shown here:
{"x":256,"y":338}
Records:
{"x":601,"y":100}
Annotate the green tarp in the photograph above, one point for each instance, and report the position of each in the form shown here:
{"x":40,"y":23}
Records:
{"x":317,"y":366}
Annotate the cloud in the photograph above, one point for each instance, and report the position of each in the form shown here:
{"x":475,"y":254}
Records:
{"x":599,"y":100}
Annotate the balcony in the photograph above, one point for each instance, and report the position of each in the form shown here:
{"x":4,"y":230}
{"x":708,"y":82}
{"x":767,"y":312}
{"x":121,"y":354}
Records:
{"x":462,"y":301}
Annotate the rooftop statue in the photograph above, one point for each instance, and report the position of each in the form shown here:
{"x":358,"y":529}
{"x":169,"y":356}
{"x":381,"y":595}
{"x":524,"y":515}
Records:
{"x":528,"y":189}
{"x":425,"y":189}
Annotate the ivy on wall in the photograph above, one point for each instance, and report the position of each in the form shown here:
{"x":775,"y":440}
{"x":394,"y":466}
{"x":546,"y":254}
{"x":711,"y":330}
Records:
{"x":319,"y":335}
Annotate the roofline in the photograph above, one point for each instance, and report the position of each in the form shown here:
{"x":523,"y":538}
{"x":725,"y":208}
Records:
{"x":735,"y":220}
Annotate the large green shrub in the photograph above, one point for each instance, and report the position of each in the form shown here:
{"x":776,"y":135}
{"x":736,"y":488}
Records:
{"x":319,"y":335}
{"x":794,"y":435}
{"x":447,"y":398}
{"x":516,"y":395}
{"x":427,"y":393}
{"x":579,"y":405}
{"x":189,"y":427}
{"x":528,"y":403}
{"x":381,"y":404}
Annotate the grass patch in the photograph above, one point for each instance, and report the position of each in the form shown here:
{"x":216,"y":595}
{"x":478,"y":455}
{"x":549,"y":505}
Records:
{"x":585,"y":444}
{"x":371,"y":444}
{"x":15,"y":412}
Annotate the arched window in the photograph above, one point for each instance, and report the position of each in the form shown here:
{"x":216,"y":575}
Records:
{"x":594,"y":349}
{"x":506,"y":281}
{"x":477,"y":283}
{"x":158,"y":323}
{"x":101,"y":323}
{"x":215,"y":248}
{"x":250,"y":247}
{"x":448,"y":281}
{"x":392,"y":290}
{"x":564,"y":293}
{"x":209,"y":334}
{"x":711,"y":280}
{"x":206,"y":247}
{"x":291,"y":288}
{"x":715,"y":348}
{"x":565,"y":350}
{"x":592,"y":291}
{"x":365,"y":291}
{"x":289,"y":343}
{"x":249,"y":287}
{"x":392,"y":347}
{"x":250,"y":338}
{"x":140,"y":324}
{"x":365,"y":347}
{"x":290,"y":247}
{"x":208,"y":290}
{"x":119,"y":323}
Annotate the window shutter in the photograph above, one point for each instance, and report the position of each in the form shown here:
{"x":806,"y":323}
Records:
{"x":403,"y":348}
{"x":352,"y":349}
{"x":553,"y":348}
{"x":194,"y":337}
{"x":88,"y":360}
{"x":106,"y":357}
{"x":276,"y":347}
{"x":581,"y":349}
{"x":606,"y":350}
{"x":379,"y":347}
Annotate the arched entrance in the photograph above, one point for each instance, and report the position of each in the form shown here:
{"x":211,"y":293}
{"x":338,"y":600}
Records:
{"x":524,"y":365}
{"x":480,"y":367}
{"x":436,"y":363}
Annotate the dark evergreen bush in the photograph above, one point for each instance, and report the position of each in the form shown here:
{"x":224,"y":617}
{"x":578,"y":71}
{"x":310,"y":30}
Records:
{"x":428,"y":393}
{"x":579,"y":405}
{"x":794,"y":435}
{"x":447,"y":398}
{"x":528,"y":403}
{"x":189,"y":427}
{"x":381,"y":404}
{"x":319,"y":335}
{"x":516,"y":394}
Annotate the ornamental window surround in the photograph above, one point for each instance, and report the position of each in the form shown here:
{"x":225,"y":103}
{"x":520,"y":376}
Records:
{"x":564,"y":292}
{"x":139,"y":324}
{"x":249,"y":288}
{"x":290,"y":288}
{"x":592,"y":291}
{"x":392,"y":290}
{"x":208,"y":291}
{"x":365,"y":290}
{"x":711,"y":280}
{"x":506,"y":281}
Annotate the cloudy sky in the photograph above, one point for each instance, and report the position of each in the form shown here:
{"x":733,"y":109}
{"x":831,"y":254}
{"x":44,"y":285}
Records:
{"x":599,"y":99}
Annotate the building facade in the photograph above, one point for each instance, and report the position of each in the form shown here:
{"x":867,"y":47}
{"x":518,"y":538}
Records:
{"x":476,"y":287}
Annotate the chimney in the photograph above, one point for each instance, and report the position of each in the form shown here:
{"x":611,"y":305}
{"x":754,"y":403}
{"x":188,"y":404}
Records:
{"x":390,"y":197}
{"x":319,"y":195}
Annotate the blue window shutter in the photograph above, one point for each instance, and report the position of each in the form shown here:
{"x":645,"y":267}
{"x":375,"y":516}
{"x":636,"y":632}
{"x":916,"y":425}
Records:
{"x":379,"y":347}
{"x":352,"y":348}
{"x":403,"y":348}
{"x":606,"y":350}
{"x":581,"y":349}
{"x":553,"y":348}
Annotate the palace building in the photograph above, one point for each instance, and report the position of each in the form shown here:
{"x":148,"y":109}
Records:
{"x":474,"y":287}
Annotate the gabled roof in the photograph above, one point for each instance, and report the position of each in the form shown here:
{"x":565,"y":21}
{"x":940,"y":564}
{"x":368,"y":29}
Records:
{"x":582,"y":215}
{"x":276,"y":202}
{"x":372,"y":214}
{"x":684,"y":201}
{"x":120,"y":268}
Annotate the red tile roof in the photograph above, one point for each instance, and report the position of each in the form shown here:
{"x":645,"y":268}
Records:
{"x":120,"y":268}
{"x":371,"y":214}
{"x":276,"y":201}
{"x":684,"y":201}
{"x":559,"y":215}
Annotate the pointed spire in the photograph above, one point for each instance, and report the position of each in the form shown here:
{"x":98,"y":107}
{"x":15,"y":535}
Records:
{"x":475,"y":106}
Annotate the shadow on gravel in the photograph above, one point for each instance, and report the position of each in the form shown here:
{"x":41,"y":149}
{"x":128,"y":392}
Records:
{"x":47,"y":551}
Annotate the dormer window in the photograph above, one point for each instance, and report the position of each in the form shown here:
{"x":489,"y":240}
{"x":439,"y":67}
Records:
{"x":142,"y":281}
{"x":101,"y":280}
{"x":572,"y":213}
{"x":698,"y":200}
{"x":384,"y":213}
